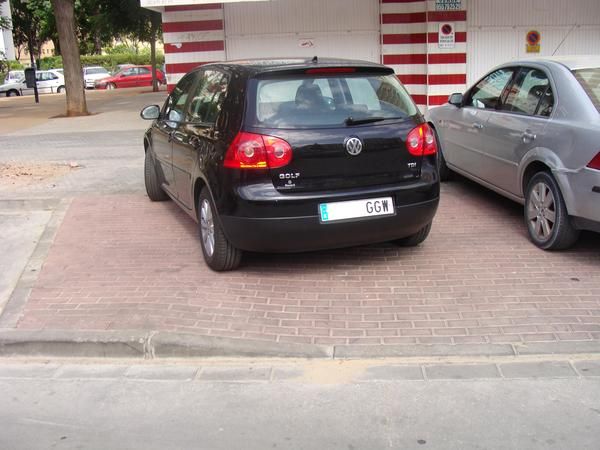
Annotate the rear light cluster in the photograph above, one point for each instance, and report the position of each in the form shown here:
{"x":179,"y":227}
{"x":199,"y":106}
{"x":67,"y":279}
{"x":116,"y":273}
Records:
{"x":421,"y":141}
{"x":595,"y":163}
{"x":257,"y":151}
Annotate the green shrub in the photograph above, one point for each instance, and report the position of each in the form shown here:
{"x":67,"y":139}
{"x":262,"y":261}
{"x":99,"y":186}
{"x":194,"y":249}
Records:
{"x":106,"y":61}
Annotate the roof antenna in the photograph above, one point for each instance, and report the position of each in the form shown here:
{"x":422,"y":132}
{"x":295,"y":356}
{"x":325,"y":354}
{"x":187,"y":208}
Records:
{"x":564,"y":39}
{"x":315,"y":60}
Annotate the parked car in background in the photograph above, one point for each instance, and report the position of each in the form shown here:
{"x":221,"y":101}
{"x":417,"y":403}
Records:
{"x":48,"y":82}
{"x":120,"y":67}
{"x":530,"y":130}
{"x":292,"y":156}
{"x":134,"y":76}
{"x":14,"y":76}
{"x":93,"y":74}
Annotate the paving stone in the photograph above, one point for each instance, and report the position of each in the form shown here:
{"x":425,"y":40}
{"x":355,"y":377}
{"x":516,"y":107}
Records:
{"x":235,"y":374}
{"x":90,"y":371}
{"x":392,"y":372}
{"x":544,"y":369}
{"x":461,"y":371}
{"x":588,"y":368}
{"x":156,"y":372}
{"x":287,"y":373}
{"x":28,"y":370}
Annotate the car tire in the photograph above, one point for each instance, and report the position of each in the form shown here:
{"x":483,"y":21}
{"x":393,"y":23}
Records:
{"x":415,"y":239}
{"x":111,"y":86}
{"x":218,"y":252}
{"x":60,"y":89}
{"x":546,"y":215}
{"x":153,"y":189}
{"x":12,"y":93}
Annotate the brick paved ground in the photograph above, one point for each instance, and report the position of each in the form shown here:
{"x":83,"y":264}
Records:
{"x":122,"y":262}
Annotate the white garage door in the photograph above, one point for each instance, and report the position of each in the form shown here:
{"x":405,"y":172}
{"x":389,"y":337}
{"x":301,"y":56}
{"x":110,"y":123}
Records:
{"x":303,"y":28}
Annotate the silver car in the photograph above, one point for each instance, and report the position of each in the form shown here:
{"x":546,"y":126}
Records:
{"x":530,"y":130}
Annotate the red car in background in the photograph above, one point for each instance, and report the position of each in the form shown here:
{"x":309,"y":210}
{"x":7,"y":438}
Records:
{"x":133,"y":76}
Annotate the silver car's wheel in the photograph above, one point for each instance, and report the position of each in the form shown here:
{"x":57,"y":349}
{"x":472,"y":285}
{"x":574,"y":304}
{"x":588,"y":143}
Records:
{"x":207,"y":228}
{"x":12,"y":93}
{"x":218,"y":252}
{"x":546,"y":215}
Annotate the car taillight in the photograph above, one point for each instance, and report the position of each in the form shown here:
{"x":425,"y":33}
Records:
{"x":421,"y":141}
{"x":257,"y":151}
{"x":595,"y":163}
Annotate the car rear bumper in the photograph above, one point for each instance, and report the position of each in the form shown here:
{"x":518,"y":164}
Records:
{"x":263,"y":231}
{"x":581,"y":191}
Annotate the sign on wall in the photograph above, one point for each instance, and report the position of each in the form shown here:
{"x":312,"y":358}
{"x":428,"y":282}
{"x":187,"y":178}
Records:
{"x":448,"y":5}
{"x":446,"y":35}
{"x":533,"y":39}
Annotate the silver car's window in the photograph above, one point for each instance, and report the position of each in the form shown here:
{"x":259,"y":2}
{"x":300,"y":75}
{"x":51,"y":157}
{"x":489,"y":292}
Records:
{"x":486,"y":93}
{"x":590,"y":81}
{"x":207,"y":98}
{"x":530,"y":94}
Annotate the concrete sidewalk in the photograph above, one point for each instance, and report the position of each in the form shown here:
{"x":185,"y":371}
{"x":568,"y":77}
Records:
{"x":93,"y":268}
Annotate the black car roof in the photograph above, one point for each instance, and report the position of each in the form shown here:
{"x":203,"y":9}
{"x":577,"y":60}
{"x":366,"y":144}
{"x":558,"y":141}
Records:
{"x":272,"y":65}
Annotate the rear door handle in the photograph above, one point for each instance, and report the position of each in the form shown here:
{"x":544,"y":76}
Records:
{"x":528,"y":137}
{"x":478,"y":125}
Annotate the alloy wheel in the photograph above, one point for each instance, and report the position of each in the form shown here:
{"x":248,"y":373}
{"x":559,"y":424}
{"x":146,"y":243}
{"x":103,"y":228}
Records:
{"x":541,"y":211}
{"x":207,"y":228}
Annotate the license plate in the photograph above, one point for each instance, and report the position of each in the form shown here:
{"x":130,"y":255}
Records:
{"x":356,"y":209}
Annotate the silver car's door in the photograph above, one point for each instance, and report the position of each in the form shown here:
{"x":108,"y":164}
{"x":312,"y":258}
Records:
{"x":464,"y":129}
{"x":517,"y":127}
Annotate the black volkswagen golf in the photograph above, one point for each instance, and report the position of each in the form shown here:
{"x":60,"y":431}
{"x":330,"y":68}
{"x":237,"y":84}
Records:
{"x":293,"y":155}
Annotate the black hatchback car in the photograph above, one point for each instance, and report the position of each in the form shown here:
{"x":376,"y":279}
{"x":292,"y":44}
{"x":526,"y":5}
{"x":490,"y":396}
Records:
{"x":293,"y":155}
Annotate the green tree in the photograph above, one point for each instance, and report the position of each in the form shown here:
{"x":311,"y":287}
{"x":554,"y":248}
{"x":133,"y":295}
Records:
{"x":32,"y":24}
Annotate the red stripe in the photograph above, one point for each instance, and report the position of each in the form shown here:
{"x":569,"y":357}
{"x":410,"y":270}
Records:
{"x":413,"y":79}
{"x":404,"y":18}
{"x":456,"y":78}
{"x":196,"y":25}
{"x":435,"y":100}
{"x":447,"y":58}
{"x":187,"y":47}
{"x":420,"y":99}
{"x":418,"y":58}
{"x":447,"y":16}
{"x":461,"y":36}
{"x":170,"y":88}
{"x":408,"y":38}
{"x":183,"y":67}
{"x":193,"y":7}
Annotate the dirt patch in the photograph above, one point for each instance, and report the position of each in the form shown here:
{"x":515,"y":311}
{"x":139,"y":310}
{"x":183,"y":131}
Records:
{"x":20,"y":174}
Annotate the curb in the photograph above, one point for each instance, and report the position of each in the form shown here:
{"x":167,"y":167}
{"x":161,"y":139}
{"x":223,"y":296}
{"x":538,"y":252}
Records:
{"x":159,"y":345}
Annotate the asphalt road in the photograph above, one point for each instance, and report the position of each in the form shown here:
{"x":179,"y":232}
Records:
{"x":174,"y":407}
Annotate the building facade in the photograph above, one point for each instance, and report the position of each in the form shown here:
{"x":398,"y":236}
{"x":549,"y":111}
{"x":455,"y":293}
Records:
{"x":436,"y":47}
{"x":6,"y":40}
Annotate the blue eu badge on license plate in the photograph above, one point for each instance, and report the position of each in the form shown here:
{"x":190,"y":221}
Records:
{"x":324,"y":214}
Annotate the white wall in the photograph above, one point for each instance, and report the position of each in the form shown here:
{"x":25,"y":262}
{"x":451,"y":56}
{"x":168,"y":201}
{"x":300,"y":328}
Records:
{"x":340,"y":28}
{"x":497,"y":29}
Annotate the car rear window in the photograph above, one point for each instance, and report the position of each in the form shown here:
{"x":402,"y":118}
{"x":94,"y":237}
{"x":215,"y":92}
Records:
{"x":590,"y":80}
{"x":305,"y":101}
{"x":96,"y":70}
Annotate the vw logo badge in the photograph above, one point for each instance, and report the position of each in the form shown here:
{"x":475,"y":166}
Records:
{"x":353,"y":145}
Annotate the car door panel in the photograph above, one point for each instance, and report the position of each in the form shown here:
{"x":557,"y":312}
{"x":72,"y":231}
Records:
{"x":194,"y":139}
{"x":516,"y":128}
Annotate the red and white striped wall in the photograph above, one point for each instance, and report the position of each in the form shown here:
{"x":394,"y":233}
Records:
{"x":409,"y":44}
{"x":193,"y":35}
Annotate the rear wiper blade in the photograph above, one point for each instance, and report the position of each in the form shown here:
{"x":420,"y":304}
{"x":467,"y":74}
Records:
{"x":351,"y":121}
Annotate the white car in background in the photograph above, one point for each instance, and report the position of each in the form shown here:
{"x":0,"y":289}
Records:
{"x":48,"y":82}
{"x":14,"y":75}
{"x":93,"y":74}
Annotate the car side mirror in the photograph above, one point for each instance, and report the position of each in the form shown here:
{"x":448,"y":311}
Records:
{"x":151,"y":112}
{"x":456,"y":99}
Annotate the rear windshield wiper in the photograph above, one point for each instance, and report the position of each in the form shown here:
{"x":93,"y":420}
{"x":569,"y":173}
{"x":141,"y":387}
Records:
{"x":352,"y":121}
